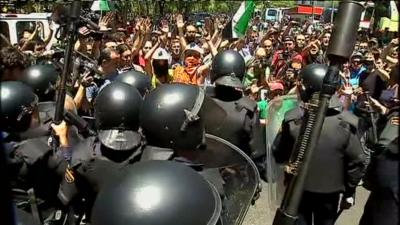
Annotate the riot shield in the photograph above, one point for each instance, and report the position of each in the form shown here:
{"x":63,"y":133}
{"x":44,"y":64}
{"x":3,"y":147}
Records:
{"x":239,"y":175}
{"x":274,"y":172}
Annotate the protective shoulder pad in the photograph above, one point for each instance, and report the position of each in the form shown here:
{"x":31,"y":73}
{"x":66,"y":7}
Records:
{"x":246,"y":103}
{"x":348,"y":117}
{"x":84,"y":151}
{"x":32,"y":150}
{"x":293,"y":114}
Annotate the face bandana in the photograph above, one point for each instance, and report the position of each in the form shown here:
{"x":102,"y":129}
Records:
{"x":191,"y":64}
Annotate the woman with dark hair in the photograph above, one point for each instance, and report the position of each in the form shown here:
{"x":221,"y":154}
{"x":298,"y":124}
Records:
{"x":126,"y":62}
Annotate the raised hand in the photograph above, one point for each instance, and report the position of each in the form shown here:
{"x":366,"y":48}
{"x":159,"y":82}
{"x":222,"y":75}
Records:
{"x":179,"y":21}
{"x":146,"y":26}
{"x":138,"y":25}
{"x":106,"y":21}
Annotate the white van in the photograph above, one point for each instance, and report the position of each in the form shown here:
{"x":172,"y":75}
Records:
{"x":12,"y":26}
{"x":273,"y":14}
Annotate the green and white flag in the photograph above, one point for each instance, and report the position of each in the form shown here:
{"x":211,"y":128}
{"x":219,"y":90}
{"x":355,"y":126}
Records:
{"x":102,"y":5}
{"x":241,"y":19}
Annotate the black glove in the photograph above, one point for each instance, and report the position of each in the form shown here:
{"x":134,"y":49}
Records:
{"x":347,"y":202}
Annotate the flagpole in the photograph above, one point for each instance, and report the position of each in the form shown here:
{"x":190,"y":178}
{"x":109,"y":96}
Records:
{"x":333,"y":11}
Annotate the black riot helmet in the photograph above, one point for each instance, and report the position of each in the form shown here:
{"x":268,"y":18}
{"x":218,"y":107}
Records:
{"x":228,"y":69}
{"x":137,"y":79}
{"x":157,"y":193}
{"x":311,"y":78}
{"x":117,"y":116}
{"x":18,"y":102}
{"x":42,"y":79}
{"x":170,"y":116}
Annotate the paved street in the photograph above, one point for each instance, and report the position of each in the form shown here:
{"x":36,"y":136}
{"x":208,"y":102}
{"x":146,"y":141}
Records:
{"x":260,"y":215}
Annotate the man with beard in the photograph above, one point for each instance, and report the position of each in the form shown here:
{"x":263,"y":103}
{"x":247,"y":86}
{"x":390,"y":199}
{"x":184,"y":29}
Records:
{"x":190,"y":35}
{"x":283,"y":58}
{"x":300,"y":43}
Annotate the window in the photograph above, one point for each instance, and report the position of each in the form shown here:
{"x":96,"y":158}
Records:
{"x":368,"y":13}
{"x":4,"y":34}
{"x":271,"y":13}
{"x":26,"y":28}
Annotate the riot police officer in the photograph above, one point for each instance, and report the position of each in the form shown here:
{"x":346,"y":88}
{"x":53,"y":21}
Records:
{"x":139,"y":80}
{"x":171,"y":117}
{"x":173,"y":121}
{"x":118,"y":142}
{"x":382,"y":206}
{"x":42,"y":79}
{"x":36,"y":170}
{"x":337,"y":163}
{"x":241,"y":125}
{"x":157,"y":192}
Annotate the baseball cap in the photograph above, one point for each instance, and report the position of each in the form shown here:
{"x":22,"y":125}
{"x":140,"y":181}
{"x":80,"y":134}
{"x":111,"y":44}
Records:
{"x":161,"y":54}
{"x":193,"y":47}
{"x":275,"y":86}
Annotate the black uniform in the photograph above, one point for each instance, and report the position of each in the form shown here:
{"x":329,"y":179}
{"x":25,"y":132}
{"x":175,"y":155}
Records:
{"x":31,"y":162}
{"x":117,"y":143}
{"x":336,"y":166}
{"x":241,"y":126}
{"x":92,"y":164}
{"x":382,"y":175}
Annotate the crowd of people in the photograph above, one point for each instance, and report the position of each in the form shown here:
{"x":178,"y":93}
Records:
{"x":175,"y":50}
{"x":178,"y":51}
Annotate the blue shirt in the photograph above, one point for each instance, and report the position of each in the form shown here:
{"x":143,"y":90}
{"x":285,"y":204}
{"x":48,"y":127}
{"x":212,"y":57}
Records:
{"x":355,"y":77}
{"x":93,"y":91}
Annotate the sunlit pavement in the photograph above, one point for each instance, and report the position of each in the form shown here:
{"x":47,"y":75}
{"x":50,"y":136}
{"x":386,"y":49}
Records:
{"x":259,"y":214}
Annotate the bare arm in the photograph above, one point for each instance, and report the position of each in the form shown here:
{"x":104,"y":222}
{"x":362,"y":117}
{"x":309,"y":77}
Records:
{"x":33,"y":35}
{"x":48,"y":38}
{"x":180,"y":24}
{"x":80,"y":96}
{"x":150,"y":53}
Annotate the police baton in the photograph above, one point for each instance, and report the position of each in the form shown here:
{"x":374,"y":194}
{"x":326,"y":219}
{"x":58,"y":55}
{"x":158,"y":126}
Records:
{"x":340,"y":48}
